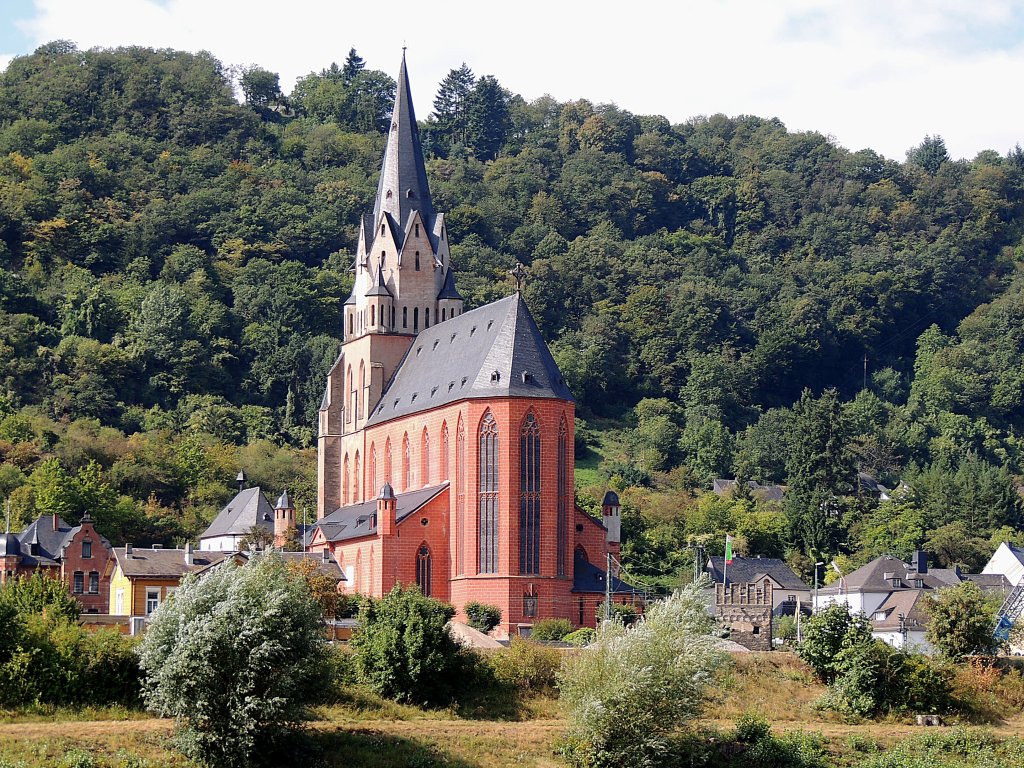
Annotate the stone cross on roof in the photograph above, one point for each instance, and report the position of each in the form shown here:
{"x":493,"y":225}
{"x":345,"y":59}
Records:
{"x":519,"y":273}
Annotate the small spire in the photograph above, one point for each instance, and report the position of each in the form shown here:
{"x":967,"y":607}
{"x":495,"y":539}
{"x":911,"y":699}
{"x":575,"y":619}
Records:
{"x":283,"y":502}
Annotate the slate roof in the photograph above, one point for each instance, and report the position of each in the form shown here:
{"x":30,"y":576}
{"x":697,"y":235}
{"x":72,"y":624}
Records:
{"x":747,"y":570}
{"x":357,"y":520}
{"x":906,"y":602}
{"x":380,"y":288}
{"x":723,"y":487}
{"x":493,"y":351}
{"x":172,"y":563}
{"x":49,"y":543}
{"x":991,"y":583}
{"x":872,"y":578}
{"x":448,"y":290}
{"x":403,"y":172}
{"x":587,"y":577}
{"x":249,"y":507}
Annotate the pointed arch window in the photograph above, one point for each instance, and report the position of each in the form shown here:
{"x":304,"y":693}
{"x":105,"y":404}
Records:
{"x":417,"y":257}
{"x":460,"y":497}
{"x":562,"y":522}
{"x":415,"y":319}
{"x":362,"y":390}
{"x":488,"y":495}
{"x":406,"y":463}
{"x":425,"y":458}
{"x":426,"y":316}
{"x":423,"y":569}
{"x":374,"y":480}
{"x":529,"y":496}
{"x":387,"y":463}
{"x":351,"y":395}
{"x":357,"y":480}
{"x":444,"y":451}
{"x":344,"y":483}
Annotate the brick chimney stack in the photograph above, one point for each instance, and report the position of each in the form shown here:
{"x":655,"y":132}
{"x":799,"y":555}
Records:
{"x":284,"y":520}
{"x":386,"y":501}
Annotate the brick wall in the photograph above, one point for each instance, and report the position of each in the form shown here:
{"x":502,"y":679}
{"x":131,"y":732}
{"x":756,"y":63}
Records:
{"x":75,"y":561}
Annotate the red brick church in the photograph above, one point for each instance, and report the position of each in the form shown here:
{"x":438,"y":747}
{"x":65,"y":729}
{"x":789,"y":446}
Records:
{"x":445,"y":450}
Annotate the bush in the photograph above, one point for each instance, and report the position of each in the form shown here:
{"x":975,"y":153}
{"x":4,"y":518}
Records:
{"x":550,"y":630}
{"x":233,"y":657}
{"x":482,"y":616}
{"x":581,"y":637}
{"x":826,"y":634}
{"x":527,"y":665}
{"x":637,"y":685}
{"x":404,"y":650}
{"x":961,"y":621}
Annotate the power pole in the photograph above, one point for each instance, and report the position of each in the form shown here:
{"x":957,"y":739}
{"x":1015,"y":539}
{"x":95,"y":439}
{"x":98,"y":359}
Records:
{"x":865,"y":370}
{"x":608,"y":587}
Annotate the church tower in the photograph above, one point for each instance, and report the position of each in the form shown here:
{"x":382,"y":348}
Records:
{"x":403,"y":284}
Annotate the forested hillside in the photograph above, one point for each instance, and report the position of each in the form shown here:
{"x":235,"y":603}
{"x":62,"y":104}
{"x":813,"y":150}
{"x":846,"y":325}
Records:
{"x":725,"y":297}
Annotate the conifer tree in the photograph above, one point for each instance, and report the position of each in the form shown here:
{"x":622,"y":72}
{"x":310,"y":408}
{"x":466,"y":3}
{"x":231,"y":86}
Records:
{"x":451,"y":107}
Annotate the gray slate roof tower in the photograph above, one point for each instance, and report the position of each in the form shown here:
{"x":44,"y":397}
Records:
{"x":403,"y":173}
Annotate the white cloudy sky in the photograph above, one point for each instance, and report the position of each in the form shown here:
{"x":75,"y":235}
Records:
{"x":871,"y":73}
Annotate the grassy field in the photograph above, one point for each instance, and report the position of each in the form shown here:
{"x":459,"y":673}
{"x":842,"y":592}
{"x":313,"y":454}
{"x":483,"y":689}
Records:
{"x":365,"y":731}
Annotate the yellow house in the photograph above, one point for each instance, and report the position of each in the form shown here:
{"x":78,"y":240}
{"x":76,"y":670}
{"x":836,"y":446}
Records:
{"x":142,"y":578}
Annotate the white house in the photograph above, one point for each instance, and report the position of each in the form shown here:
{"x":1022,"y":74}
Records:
{"x":1007,"y":561}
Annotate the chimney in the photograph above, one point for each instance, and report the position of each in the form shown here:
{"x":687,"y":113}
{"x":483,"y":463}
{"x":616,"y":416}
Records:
{"x":920,"y":561}
{"x":386,"y":502}
{"x":284,"y":520}
{"x":241,"y":480}
{"x":189,"y":558}
{"x":327,"y":555}
{"x":56,"y":526}
{"x":128,"y":550}
{"x":610,"y":510}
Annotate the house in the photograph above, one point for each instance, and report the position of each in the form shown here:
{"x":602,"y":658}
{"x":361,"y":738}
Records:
{"x":143,"y":578}
{"x":724,"y":487}
{"x":249,"y":509}
{"x":445,"y":451}
{"x":901,"y":621}
{"x":1007,"y":561}
{"x":788,"y":589}
{"x":75,"y":554}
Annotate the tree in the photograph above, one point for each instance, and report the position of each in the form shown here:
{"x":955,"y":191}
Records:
{"x":451,"y":107}
{"x":960,"y":621}
{"x":260,"y":86}
{"x":235,"y":657}
{"x":404,"y":649}
{"x":828,"y":632}
{"x":354,"y":64}
{"x":636,"y":685}
{"x":487,"y":118}
{"x":930,"y":154}
{"x":322,"y":587}
{"x":256,"y":539}
{"x":482,"y":616}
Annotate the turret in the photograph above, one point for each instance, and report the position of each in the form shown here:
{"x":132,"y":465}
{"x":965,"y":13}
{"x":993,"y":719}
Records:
{"x":380,"y":306}
{"x":284,"y":520}
{"x":241,"y":480}
{"x":386,"y":505}
{"x":610,"y":511}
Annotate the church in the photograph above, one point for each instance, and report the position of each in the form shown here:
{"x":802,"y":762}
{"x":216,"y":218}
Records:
{"x":445,"y":437}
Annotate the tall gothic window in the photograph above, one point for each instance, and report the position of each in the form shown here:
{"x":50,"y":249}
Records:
{"x":375,"y":483}
{"x":362,"y":389}
{"x":344,"y":483}
{"x":406,"y":463}
{"x":351,"y":396}
{"x":387,"y":464}
{"x":529,"y":496}
{"x":444,"y":451}
{"x":563,"y":496}
{"x":460,"y":498}
{"x":357,"y":481}
{"x":423,"y":569}
{"x":488,"y":495}
{"x":425,"y":458}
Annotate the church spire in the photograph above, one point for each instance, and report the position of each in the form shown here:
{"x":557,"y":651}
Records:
{"x":403,"y":178}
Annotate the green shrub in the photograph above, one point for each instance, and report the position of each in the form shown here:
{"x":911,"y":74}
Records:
{"x":581,"y":637}
{"x":826,"y":634}
{"x":404,"y":650}
{"x":527,"y":665}
{"x":482,"y":616}
{"x":635,"y":686}
{"x":233,"y":657}
{"x":550,"y":630}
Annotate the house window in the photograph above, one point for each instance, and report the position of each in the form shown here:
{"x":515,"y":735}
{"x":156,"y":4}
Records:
{"x":791,"y":598}
{"x":529,"y":496}
{"x":119,"y":602}
{"x":423,"y":569}
{"x":79,"y":582}
{"x":87,"y":549}
{"x":563,"y":496}
{"x":529,"y":606}
{"x":94,"y":582}
{"x":405,"y":317}
{"x":757,"y":630}
{"x":152,"y":599}
{"x":580,"y":617}
{"x":919,"y":583}
{"x":488,"y":496}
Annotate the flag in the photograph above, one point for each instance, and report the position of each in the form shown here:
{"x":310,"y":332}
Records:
{"x":728,"y":549}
